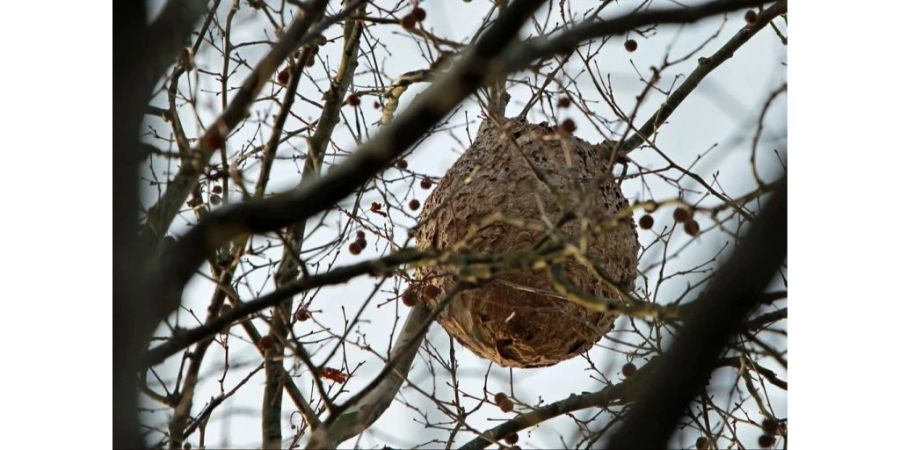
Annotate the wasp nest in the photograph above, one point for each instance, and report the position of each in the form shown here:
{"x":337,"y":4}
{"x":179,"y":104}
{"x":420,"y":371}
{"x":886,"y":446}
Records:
{"x":517,"y":319}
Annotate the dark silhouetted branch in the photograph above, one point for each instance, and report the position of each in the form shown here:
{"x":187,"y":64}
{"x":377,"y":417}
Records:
{"x":720,"y":313}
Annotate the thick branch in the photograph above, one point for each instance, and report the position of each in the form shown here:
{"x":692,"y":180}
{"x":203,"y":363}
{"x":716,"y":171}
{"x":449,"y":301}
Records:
{"x":521,"y":56}
{"x":140,"y":54}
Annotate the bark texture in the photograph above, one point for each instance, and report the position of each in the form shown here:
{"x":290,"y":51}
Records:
{"x":504,"y":195}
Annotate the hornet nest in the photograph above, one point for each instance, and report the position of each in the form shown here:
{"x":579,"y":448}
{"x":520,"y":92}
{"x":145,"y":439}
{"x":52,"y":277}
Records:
{"x":517,"y":319}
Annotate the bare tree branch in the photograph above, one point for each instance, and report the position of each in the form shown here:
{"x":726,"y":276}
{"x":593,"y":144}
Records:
{"x":219,"y":227}
{"x":720,"y":313}
{"x":704,"y":68}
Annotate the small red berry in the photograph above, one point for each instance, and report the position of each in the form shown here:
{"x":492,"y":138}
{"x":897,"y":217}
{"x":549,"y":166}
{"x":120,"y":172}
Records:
{"x":353,"y":100}
{"x":284,"y":76}
{"x":414,"y":204}
{"x":376,"y":105}
{"x":567,"y":126}
{"x":646,"y":221}
{"x":320,"y":40}
{"x":408,"y":22}
{"x":770,"y":426}
{"x":302,"y":314}
{"x":362,"y":243}
{"x":402,"y":164}
{"x":360,"y":235}
{"x":511,"y":438}
{"x":564,"y":102}
{"x":266,"y":342}
{"x":766,"y":440}
{"x":355,"y":248}
{"x":681,"y":214}
{"x":751,"y":17}
{"x":409,"y":298}
{"x":375,"y":206}
{"x":214,"y":139}
{"x":217,"y":189}
{"x":419,"y":14}
{"x":628,"y":370}
{"x":425,"y":184}
{"x":630,"y":45}
{"x":691,"y":227}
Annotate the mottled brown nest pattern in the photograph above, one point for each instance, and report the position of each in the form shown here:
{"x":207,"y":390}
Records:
{"x":510,"y":320}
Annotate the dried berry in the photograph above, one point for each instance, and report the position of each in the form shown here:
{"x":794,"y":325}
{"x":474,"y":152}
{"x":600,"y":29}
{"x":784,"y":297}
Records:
{"x":409,"y":298}
{"x":414,"y":204}
{"x":702,"y":443}
{"x":766,"y":440}
{"x":362,"y":243}
{"x":320,"y":40}
{"x":360,"y":235}
{"x":217,"y":189}
{"x":215,"y":199}
{"x":402,"y":164}
{"x":425,"y":184}
{"x":355,"y":248}
{"x":333,"y":374}
{"x":770,"y":426}
{"x":691,"y":227}
{"x":353,"y":100}
{"x":646,"y":221}
{"x":751,"y":17}
{"x":567,"y":126}
{"x":628,"y":370}
{"x":506,"y":405}
{"x":511,"y":438}
{"x":408,"y":22}
{"x":284,"y":76}
{"x":302,"y":314}
{"x":419,"y":14}
{"x":376,"y":105}
{"x":266,"y":342}
{"x":564,"y":102}
{"x":431,"y":291}
{"x":214,"y":139}
{"x":681,"y":214}
{"x":631,"y":45}
{"x":375,"y":206}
